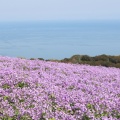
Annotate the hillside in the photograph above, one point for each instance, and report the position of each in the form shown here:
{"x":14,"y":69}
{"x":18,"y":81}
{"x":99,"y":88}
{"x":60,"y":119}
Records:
{"x":100,"y":60}
{"x":40,"y":90}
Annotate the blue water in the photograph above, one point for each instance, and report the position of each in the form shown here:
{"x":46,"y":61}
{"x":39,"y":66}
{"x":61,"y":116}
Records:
{"x":57,"y":40}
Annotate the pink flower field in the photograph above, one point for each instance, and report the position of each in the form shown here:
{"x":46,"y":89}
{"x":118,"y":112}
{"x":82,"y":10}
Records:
{"x":40,"y":90}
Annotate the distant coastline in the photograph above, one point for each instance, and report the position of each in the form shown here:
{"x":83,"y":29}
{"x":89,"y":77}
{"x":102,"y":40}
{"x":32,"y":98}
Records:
{"x":100,"y":60}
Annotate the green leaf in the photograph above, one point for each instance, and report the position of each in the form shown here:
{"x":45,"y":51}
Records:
{"x":104,"y":113}
{"x":85,"y":117}
{"x":22,"y":100}
{"x":5,"y":98}
{"x":6,"y":86}
{"x":22,"y":85}
{"x":89,"y":106}
{"x":10,"y":119}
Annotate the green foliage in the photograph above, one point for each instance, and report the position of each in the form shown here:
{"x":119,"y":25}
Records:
{"x":5,"y":98}
{"x":7,"y":118}
{"x":43,"y":116}
{"x":104,"y":113}
{"x":40,"y":59}
{"x":96,"y":113}
{"x":25,"y":117}
{"x":89,"y":106}
{"x":116,"y":114}
{"x":85,"y":117}
{"x":101,"y":60}
{"x":22,"y":85}
{"x":32,"y":58}
{"x":6,"y":86}
{"x":22,"y":100}
{"x":31,"y":106}
{"x":86,"y":58}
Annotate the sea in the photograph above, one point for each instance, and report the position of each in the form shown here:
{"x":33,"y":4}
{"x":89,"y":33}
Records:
{"x":59,"y":39}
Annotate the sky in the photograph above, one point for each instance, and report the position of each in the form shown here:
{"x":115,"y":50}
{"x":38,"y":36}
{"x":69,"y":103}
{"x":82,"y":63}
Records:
{"x":35,"y":10}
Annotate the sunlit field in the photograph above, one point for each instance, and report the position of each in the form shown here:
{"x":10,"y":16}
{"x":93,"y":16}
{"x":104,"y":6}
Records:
{"x":40,"y":90}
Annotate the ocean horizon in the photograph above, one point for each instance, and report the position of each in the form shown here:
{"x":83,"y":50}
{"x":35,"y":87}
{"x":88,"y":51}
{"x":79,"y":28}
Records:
{"x":59,"y":39}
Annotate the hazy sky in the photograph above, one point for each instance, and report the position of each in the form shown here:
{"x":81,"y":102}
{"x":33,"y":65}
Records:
{"x":12,"y":10}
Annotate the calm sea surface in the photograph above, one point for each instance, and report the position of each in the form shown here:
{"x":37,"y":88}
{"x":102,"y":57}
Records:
{"x":57,"y":40}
